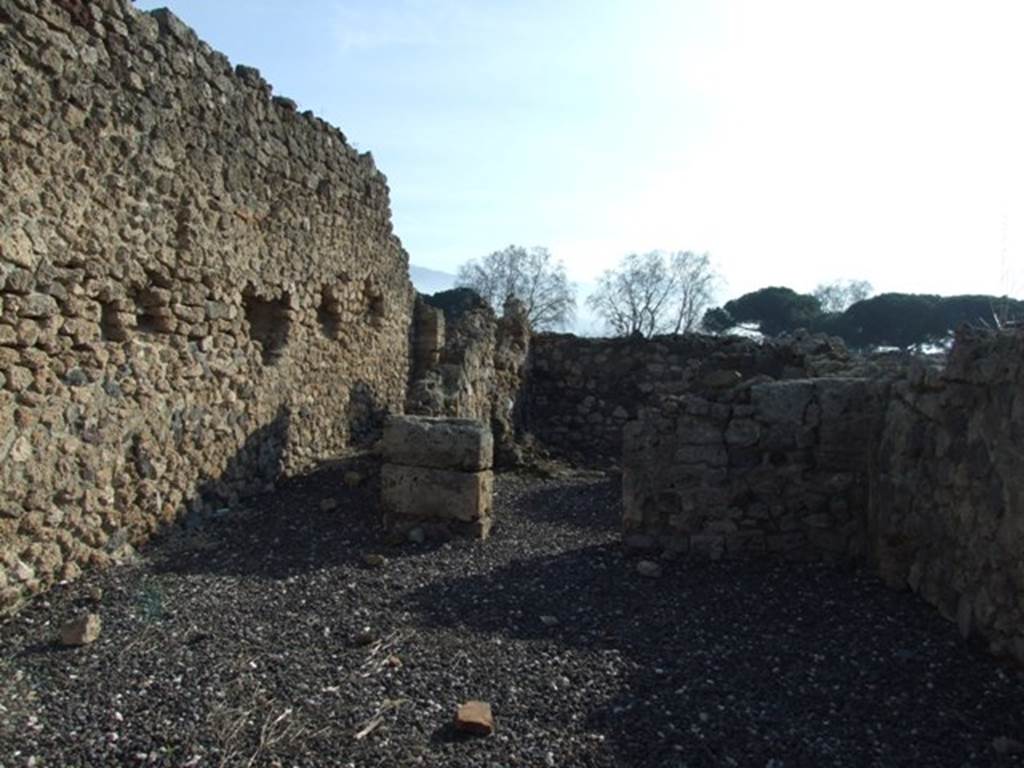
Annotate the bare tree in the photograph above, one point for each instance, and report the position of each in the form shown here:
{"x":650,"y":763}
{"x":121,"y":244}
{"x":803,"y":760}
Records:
{"x":530,"y":275}
{"x":840,"y":295}
{"x":653,"y":293}
{"x":695,"y":282}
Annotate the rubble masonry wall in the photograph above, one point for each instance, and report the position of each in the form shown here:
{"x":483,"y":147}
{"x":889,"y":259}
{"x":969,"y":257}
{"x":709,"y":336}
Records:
{"x":946,"y":505}
{"x":199,"y":286}
{"x":581,"y":392}
{"x":919,"y":475}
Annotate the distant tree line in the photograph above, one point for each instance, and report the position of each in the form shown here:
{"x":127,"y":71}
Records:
{"x":889,"y":319}
{"x":671,"y":292}
{"x":644,"y":295}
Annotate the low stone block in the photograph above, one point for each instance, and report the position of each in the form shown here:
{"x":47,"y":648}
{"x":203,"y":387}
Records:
{"x":83,"y":630}
{"x":722,"y":379}
{"x":441,"y":443}
{"x":475,"y":717}
{"x":426,"y":493}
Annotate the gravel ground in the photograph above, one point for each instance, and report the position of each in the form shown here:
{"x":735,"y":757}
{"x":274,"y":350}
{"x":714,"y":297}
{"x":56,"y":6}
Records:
{"x":265,"y":639}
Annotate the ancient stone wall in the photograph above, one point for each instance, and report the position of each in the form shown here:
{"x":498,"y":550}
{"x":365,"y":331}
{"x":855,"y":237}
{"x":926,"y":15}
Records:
{"x":946,"y":514}
{"x":918,"y":473}
{"x":199,"y":285}
{"x":581,"y":391}
{"x":470,"y":364}
{"x":764,"y":466}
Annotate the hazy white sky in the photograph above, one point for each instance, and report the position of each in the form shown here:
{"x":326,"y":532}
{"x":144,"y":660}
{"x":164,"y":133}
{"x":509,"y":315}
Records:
{"x":797,"y":141}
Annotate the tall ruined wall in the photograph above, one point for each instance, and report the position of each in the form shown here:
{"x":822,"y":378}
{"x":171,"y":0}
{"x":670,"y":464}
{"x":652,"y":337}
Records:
{"x":946,"y":511}
{"x":581,"y":392}
{"x":200,"y":285}
{"x":470,"y":364}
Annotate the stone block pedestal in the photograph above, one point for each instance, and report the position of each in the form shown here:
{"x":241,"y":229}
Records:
{"x":437,"y":476}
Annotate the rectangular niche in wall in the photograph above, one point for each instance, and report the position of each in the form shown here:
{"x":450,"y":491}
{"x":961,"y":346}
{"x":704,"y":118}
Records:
{"x":328,"y":314}
{"x":112,"y":327}
{"x":375,"y":306}
{"x":152,"y":313}
{"x":269,"y":324}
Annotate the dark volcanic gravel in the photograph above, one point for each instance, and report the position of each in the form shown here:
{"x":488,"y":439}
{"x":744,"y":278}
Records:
{"x":264,"y":638}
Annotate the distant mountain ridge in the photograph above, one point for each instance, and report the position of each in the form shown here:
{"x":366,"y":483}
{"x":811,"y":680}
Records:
{"x":430,"y":281}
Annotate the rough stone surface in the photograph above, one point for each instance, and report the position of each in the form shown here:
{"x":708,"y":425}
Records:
{"x":200,"y":289}
{"x":83,"y":630}
{"x":581,"y":392}
{"x":420,"y":441}
{"x":412,"y":496}
{"x":475,"y":717}
{"x":946,"y":517}
{"x":771,"y":467}
{"x":471,"y":364}
{"x":920,"y":474}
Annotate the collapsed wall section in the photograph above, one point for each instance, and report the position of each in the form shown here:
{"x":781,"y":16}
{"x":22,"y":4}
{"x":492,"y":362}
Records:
{"x":199,"y":285}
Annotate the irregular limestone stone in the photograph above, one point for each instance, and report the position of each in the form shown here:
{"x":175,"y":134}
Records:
{"x":443,"y":443}
{"x":708,"y":545}
{"x":416,"y":535}
{"x":640,"y":542}
{"x":82,"y":630}
{"x":475,"y":717}
{"x":783,"y":402}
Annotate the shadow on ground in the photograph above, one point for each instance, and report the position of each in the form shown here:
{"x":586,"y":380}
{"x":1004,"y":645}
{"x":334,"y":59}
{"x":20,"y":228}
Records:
{"x":311,"y":522}
{"x":584,"y":506}
{"x":272,"y":610}
{"x":741,"y":663}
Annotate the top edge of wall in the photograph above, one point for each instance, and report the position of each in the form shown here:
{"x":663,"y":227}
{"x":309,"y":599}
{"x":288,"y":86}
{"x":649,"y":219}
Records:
{"x":104,"y":18}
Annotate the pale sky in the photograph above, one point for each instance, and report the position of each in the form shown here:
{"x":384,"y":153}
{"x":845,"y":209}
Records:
{"x":796,"y":141}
